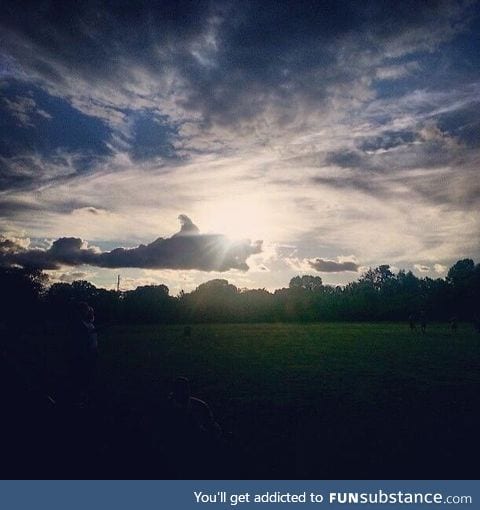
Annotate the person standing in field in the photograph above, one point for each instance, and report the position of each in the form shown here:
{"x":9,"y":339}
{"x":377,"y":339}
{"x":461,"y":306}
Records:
{"x":83,"y":353}
{"x":192,"y":415}
{"x":453,"y":324}
{"x":412,"y":321}
{"x":423,"y":321}
{"x":193,"y":437}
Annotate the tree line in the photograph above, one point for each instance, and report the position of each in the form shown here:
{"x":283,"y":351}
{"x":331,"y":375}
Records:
{"x":378,"y":294}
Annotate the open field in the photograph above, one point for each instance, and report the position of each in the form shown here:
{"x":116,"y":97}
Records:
{"x":309,"y":400}
{"x":291,"y":392}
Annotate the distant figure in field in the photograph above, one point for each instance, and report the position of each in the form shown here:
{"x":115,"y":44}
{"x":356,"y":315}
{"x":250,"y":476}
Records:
{"x":453,"y":323}
{"x":83,"y":353}
{"x":412,"y":321}
{"x":423,"y":321}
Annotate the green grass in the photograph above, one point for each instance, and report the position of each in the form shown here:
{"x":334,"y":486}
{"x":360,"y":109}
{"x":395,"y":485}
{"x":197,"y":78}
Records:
{"x":333,"y":400}
{"x":288,"y":363}
{"x":286,"y":389}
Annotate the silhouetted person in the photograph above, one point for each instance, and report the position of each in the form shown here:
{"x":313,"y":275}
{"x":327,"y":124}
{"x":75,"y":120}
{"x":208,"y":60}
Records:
{"x":412,"y":321}
{"x":83,"y":353}
{"x":193,"y":413}
{"x":476,"y":323}
{"x":423,"y":321}
{"x":453,"y":322}
{"x":193,"y":435}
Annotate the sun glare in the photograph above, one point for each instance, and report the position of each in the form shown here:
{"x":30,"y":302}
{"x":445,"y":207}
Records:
{"x":238,"y":218}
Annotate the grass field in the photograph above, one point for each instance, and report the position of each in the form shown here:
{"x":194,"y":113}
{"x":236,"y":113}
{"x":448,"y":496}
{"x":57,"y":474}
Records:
{"x":316,"y":400}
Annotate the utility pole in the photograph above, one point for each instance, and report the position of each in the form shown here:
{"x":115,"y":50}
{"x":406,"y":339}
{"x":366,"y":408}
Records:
{"x":118,"y":284}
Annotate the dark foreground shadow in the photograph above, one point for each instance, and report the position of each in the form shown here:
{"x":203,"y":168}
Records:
{"x":416,"y":433}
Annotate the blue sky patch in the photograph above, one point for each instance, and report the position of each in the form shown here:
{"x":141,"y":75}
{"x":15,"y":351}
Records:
{"x":33,"y":121}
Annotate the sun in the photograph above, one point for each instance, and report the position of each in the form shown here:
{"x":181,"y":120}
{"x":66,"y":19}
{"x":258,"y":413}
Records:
{"x":238,"y":218}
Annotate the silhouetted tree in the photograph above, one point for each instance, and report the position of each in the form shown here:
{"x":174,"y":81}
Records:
{"x":307,"y":282}
{"x":149,"y":303}
{"x":378,"y":294}
{"x":377,"y":278}
{"x":21,"y":291}
{"x":463,"y":279}
{"x":214,"y":300}
{"x":255,"y":305}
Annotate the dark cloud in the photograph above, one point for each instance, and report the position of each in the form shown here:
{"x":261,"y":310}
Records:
{"x":331,"y":266}
{"x":463,"y":124}
{"x":187,"y":227}
{"x":230,"y":59}
{"x":8,"y":246}
{"x":361,"y":182}
{"x":387,"y":140}
{"x":80,"y":83}
{"x":17,"y":207}
{"x":285,"y":52}
{"x":344,"y":158}
{"x":12,"y":208}
{"x":431,"y":162}
{"x":69,"y":251}
{"x":188,"y":249}
{"x":427,"y":146}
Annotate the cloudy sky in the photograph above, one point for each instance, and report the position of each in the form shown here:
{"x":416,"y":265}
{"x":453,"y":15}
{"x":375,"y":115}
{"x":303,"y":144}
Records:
{"x":176,"y":142}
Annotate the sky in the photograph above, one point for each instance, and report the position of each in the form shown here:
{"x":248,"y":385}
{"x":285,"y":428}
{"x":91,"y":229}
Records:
{"x":177,"y":142}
